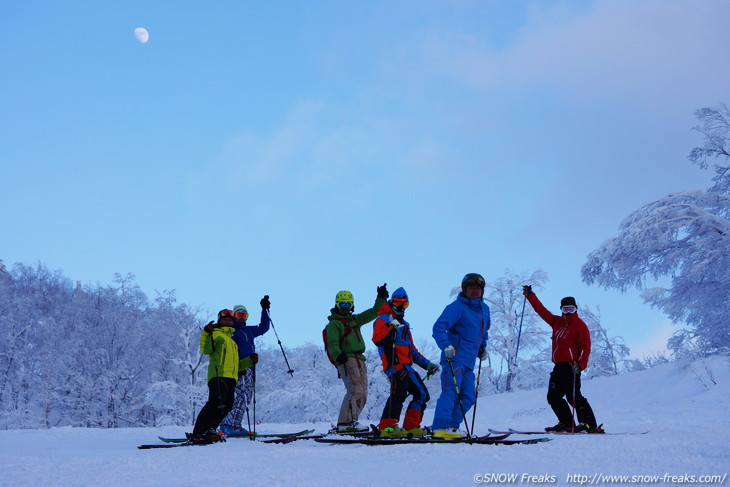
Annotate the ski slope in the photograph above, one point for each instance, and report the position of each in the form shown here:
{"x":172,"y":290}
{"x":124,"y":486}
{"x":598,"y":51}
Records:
{"x":686,"y":411}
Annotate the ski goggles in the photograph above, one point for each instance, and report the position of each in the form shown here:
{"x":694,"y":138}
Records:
{"x":225,"y":312}
{"x":344,"y":305}
{"x":240,"y":315}
{"x":569,"y":309}
{"x":473,"y":280}
{"x":400,"y":302}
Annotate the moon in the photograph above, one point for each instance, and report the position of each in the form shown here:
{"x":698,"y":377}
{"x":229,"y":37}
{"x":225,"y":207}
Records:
{"x":141,"y":34}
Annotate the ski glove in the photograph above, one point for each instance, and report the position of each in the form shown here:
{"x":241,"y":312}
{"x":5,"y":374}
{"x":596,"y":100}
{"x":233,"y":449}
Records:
{"x":341,"y":359}
{"x":576,"y":368}
{"x":254,"y":358}
{"x":395,"y":324}
{"x":449,"y":351}
{"x":482,"y":353}
{"x":432,"y":368}
{"x":383,"y":291}
{"x":265,"y":303}
{"x":210,"y":327}
{"x":526,"y":290}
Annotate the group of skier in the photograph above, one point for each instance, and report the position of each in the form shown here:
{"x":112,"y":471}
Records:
{"x":460,"y":332}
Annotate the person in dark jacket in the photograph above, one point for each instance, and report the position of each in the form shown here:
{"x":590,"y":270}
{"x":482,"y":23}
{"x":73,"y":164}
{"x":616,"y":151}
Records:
{"x":571,"y":348}
{"x":392,"y":336}
{"x":244,"y":336}
{"x":461,"y":333}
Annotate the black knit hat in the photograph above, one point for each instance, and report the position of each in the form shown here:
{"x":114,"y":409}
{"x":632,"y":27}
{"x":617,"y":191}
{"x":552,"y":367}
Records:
{"x":568,"y":301}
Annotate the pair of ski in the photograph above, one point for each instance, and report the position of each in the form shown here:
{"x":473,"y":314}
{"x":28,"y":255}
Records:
{"x":475,"y":440}
{"x":351,"y":434}
{"x":578,"y":433}
{"x":177,"y":442}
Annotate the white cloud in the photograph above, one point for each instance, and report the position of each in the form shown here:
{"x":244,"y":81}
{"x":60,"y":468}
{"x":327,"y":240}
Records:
{"x":645,"y":48}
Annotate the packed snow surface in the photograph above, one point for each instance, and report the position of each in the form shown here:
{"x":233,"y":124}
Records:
{"x":685,"y":410}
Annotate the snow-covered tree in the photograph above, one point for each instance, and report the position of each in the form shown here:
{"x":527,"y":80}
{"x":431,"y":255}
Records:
{"x":684,"y":238}
{"x":608,"y":354}
{"x":513,"y":331}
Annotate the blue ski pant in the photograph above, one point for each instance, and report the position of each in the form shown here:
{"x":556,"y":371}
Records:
{"x":448,"y":412}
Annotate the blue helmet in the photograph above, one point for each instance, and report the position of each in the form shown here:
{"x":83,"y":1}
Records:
{"x":399,"y":301}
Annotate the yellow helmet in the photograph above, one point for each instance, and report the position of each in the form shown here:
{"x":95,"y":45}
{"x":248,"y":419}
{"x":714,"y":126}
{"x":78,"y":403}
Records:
{"x":344,"y":297}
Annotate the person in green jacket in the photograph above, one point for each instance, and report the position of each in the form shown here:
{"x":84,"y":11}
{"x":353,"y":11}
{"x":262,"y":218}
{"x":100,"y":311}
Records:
{"x":216,"y":341}
{"x":346,"y":345}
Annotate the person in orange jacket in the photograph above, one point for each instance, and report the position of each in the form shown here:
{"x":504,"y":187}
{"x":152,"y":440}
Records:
{"x":571,"y":348}
{"x":392,"y":336}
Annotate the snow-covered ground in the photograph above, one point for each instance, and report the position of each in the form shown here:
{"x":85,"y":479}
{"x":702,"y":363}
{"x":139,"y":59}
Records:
{"x":685,"y":410}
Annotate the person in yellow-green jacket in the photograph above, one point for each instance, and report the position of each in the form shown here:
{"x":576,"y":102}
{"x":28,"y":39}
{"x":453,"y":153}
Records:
{"x":216,"y":341}
{"x":345,"y":346}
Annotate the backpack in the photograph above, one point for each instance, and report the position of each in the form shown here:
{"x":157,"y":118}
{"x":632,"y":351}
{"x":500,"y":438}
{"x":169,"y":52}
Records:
{"x":348,"y":330}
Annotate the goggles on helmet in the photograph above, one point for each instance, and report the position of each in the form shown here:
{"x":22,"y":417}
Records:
{"x":344,"y":305}
{"x":569,"y":309}
{"x":225,"y":312}
{"x":473,"y":280}
{"x":400,"y":302}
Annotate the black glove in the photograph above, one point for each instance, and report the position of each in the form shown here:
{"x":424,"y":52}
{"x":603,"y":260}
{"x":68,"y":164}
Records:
{"x":526,"y":290}
{"x":254,"y":358}
{"x":341,"y":359}
{"x":576,"y":368}
{"x":210,"y":327}
{"x":383,"y":291}
{"x":265,"y":303}
{"x":482,"y":354}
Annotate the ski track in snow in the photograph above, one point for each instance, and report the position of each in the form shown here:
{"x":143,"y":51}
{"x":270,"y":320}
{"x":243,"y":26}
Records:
{"x":685,"y":412}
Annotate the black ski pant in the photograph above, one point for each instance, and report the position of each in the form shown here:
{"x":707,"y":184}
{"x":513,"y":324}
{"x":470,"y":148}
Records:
{"x":564,"y":383}
{"x":221,"y":391}
{"x":402,"y":383}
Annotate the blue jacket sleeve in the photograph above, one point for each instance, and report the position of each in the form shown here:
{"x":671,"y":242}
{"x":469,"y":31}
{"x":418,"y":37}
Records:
{"x":265,"y":323}
{"x":443,"y":325}
{"x":486,"y":332}
{"x":418,"y":358}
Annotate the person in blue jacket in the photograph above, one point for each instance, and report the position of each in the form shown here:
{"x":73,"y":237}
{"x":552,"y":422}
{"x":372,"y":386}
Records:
{"x":244,"y":337}
{"x":461,"y":334}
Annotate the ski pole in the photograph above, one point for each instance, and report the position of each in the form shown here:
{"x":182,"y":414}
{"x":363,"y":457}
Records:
{"x":476,"y":398}
{"x":290,"y":371}
{"x":574,"y":374}
{"x":458,"y":396}
{"x":253,"y":436}
{"x":519,"y":332}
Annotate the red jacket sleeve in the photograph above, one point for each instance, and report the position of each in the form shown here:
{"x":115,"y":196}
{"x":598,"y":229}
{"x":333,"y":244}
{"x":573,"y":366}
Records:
{"x":584,"y":345}
{"x":546,"y":315}
{"x":382,"y":330}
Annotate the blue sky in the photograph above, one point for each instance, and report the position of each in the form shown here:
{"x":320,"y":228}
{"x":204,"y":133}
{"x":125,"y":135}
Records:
{"x":299,"y":148}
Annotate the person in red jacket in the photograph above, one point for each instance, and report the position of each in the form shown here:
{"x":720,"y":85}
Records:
{"x":571,"y":347}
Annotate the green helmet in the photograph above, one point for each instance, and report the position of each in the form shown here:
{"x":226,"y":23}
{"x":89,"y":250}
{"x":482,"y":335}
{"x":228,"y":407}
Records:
{"x":344,"y":297}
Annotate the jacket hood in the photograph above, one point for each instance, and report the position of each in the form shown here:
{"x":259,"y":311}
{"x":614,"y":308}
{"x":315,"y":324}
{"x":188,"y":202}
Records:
{"x":475,"y":303}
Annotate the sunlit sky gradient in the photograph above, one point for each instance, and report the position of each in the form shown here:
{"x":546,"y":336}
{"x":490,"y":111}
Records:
{"x":299,"y":148}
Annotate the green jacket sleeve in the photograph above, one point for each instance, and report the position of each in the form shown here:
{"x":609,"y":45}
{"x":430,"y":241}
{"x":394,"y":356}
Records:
{"x":206,"y":343}
{"x":334,"y":330}
{"x":369,"y":314}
